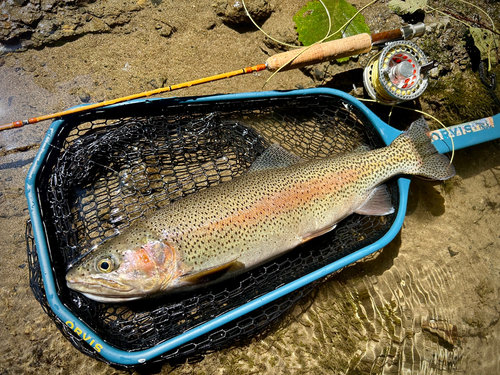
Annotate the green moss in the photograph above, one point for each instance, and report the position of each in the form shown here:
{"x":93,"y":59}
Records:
{"x":460,"y":97}
{"x":448,"y":186}
{"x":430,"y":45}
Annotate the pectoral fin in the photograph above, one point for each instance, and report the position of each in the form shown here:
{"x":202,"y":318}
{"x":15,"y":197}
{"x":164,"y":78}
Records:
{"x":211,"y":274}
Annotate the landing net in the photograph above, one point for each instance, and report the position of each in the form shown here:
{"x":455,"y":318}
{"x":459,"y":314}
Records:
{"x":110,"y":167}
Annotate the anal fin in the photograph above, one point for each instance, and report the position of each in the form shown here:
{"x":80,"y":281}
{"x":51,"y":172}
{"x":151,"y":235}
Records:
{"x":377,"y":204}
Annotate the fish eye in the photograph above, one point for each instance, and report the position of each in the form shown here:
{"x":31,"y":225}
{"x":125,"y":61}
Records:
{"x":105,"y":265}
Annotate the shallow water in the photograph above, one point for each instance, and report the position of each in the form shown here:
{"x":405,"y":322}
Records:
{"x":428,"y":303}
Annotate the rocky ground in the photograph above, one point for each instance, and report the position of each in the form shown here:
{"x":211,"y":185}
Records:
{"x":379,"y":316}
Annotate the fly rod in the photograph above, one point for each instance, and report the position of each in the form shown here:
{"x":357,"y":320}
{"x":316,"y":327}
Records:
{"x":294,"y":59}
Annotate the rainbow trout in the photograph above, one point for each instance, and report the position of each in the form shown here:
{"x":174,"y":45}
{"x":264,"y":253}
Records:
{"x":281,"y":202}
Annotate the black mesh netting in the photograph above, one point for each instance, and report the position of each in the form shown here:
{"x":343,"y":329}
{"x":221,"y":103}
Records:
{"x":110,"y":167}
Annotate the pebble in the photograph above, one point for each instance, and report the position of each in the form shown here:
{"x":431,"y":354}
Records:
{"x":32,"y":24}
{"x":83,"y":95}
{"x":232,"y":12}
{"x":158,"y":82}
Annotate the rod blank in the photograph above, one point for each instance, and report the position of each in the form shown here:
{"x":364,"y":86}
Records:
{"x":298,"y":58}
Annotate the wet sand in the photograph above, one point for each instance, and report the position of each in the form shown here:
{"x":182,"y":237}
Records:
{"x":394,"y":313}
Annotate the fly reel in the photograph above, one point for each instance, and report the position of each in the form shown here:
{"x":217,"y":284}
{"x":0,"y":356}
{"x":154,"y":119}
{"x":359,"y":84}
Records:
{"x":397,"y":73}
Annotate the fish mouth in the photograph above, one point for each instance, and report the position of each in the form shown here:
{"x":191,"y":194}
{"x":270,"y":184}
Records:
{"x":110,"y":299}
{"x":97,"y":285}
{"x":107,"y":291}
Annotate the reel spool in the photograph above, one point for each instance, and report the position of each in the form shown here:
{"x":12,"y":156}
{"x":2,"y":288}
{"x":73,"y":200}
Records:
{"x":397,"y":73}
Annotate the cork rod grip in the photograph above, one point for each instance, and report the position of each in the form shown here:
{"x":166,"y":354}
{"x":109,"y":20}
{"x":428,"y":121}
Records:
{"x":353,"y":45}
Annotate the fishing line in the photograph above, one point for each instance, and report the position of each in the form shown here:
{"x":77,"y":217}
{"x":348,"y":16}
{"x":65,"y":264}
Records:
{"x":291,"y":45}
{"x":328,"y":35}
{"x":482,"y":10}
{"x":278,"y":41}
{"x":493,"y":27}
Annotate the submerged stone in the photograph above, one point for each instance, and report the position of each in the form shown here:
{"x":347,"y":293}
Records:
{"x":232,"y":12}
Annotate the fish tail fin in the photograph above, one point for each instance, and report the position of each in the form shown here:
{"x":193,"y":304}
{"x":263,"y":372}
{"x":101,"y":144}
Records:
{"x":428,"y":161}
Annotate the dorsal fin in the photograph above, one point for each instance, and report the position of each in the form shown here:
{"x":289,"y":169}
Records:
{"x":362,"y":148}
{"x":275,"y":156}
